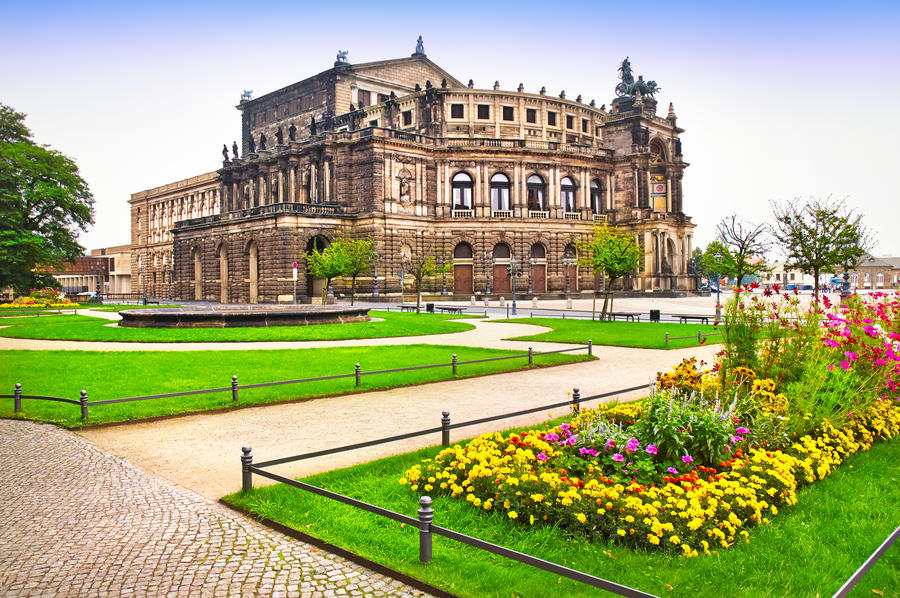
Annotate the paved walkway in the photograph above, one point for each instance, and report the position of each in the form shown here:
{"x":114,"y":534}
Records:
{"x":76,"y":521}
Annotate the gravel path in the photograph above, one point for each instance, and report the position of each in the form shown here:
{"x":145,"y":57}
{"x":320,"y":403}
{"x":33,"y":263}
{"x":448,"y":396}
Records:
{"x":76,"y":521}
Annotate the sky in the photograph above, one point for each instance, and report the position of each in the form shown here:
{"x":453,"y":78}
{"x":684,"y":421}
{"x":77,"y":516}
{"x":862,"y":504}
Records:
{"x":780,"y":101}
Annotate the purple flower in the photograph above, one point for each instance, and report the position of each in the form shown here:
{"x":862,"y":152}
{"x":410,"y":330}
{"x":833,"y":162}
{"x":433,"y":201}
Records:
{"x":551,"y":437}
{"x":541,"y":457}
{"x":651,"y":448}
{"x":845,"y":365}
{"x":687,"y":459}
{"x":736,"y":438}
{"x":742,"y":430}
{"x":618,"y":457}
{"x":671,"y":470}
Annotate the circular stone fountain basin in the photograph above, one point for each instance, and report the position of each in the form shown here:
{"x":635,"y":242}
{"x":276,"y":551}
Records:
{"x":234,"y":316}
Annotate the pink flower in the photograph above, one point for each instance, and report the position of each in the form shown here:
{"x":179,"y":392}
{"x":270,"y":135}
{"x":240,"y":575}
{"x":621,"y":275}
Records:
{"x":611,"y":443}
{"x":687,"y":459}
{"x":851,"y":355}
{"x":845,"y":364}
{"x":541,"y":457}
{"x":671,"y":470}
{"x":651,"y":448}
{"x":830,"y":367}
{"x":632,"y":445}
{"x":618,"y":457}
{"x":551,"y":437}
{"x":742,"y":430}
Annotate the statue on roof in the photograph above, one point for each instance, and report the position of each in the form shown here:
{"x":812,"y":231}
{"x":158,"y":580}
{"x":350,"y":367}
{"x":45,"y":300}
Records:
{"x":234,"y":149}
{"x":342,"y":57}
{"x":629,"y":87}
{"x":292,"y":132}
{"x":247,"y":95}
{"x":420,"y":47}
{"x":279,"y":136}
{"x":225,"y":151}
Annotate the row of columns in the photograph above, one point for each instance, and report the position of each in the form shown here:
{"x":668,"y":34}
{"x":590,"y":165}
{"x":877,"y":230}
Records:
{"x":289,"y":187}
{"x":163,"y":215}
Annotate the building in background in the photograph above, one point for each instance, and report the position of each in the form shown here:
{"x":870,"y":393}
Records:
{"x":105,"y":271}
{"x":876,"y":273}
{"x":402,"y":152}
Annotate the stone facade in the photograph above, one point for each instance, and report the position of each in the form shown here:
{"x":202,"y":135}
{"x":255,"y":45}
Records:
{"x":422,"y":164}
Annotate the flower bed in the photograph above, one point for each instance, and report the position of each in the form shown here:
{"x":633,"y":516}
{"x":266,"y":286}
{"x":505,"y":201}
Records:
{"x":40,"y":299}
{"x":683,"y":471}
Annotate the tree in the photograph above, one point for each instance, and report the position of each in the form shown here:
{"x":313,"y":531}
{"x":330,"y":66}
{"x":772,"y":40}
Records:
{"x":747,"y":244}
{"x":44,"y":203}
{"x":820,"y":235}
{"x":717,"y":261}
{"x":357,"y":256}
{"x":420,"y":266}
{"x":327,"y":263}
{"x":614,"y":254}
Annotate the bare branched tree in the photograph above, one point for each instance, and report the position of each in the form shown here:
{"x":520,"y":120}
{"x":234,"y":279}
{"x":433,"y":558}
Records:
{"x":747,"y":243}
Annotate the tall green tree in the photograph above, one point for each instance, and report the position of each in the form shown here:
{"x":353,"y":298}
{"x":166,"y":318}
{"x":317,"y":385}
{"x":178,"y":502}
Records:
{"x":327,"y":263}
{"x":421,"y":266}
{"x":819,"y":235}
{"x":611,"y":253}
{"x":717,"y":261}
{"x":747,"y":244}
{"x":358,"y":255}
{"x":44,"y":203}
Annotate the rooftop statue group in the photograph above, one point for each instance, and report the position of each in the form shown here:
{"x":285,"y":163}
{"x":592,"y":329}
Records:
{"x":630,"y":87}
{"x":279,"y":137}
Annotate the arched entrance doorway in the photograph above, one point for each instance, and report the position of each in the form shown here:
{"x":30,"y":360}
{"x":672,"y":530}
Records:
{"x":253,"y":258}
{"x":315,"y":286}
{"x":538,"y":269}
{"x":501,"y":263}
{"x":570,"y":269}
{"x":198,"y":274}
{"x":462,"y":270}
{"x":223,"y":273}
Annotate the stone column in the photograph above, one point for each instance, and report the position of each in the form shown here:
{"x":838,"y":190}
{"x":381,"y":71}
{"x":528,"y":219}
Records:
{"x":669,"y":194}
{"x":280,"y":186}
{"x":313,"y":187}
{"x":326,"y":181}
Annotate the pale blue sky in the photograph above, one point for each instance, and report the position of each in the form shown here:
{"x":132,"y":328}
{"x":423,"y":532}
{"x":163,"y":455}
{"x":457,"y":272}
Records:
{"x":779,"y":101}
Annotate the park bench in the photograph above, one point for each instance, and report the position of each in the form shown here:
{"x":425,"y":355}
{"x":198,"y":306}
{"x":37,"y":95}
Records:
{"x":683,"y":318}
{"x":628,"y":316}
{"x":407,"y":308}
{"x":450,"y":309}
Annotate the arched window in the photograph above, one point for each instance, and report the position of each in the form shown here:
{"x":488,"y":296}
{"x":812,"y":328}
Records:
{"x":596,"y":197}
{"x":462,"y":191}
{"x":499,"y":192}
{"x":537,"y":192}
{"x":569,"y":251}
{"x":463,"y":251}
{"x":501,"y":251}
{"x":567,"y":194}
{"x":879,"y":279}
{"x":538,"y":252}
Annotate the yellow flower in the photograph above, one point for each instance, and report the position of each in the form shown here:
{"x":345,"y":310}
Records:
{"x":621,"y":532}
{"x":512,"y":514}
{"x":581,"y":517}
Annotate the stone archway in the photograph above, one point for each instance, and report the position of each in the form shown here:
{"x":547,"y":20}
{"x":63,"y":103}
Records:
{"x":253,"y":269}
{"x":198,"y":274}
{"x":463,"y":283}
{"x":223,"y":273}
{"x":315,"y":286}
{"x":537,"y":262}
{"x":501,"y":272}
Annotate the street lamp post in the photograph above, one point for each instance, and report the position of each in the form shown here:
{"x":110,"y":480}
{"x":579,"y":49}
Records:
{"x":487,"y":274}
{"x":530,"y":276}
{"x":513,"y":269}
{"x":375,"y":276}
{"x":443,"y":278}
{"x":294,"y":276}
{"x":718,"y":297}
{"x":568,"y":262}
{"x":144,"y":283}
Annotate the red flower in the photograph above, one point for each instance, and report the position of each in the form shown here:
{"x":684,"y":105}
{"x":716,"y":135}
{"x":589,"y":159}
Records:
{"x":754,"y":285}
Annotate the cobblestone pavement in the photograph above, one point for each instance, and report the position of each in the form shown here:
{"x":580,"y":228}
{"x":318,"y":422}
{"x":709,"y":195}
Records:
{"x":76,"y":521}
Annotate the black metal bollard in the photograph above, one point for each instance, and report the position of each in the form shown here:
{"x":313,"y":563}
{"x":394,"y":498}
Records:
{"x":246,"y":474}
{"x":84,"y":406}
{"x":590,"y":347}
{"x":667,"y":340}
{"x":358,"y":375}
{"x":530,"y":356}
{"x":576,"y":401}
{"x":17,"y":405}
{"x":234,"y":389}
{"x":426,"y":516}
{"x":699,"y":336}
{"x":445,"y":428}
{"x":453,"y":363}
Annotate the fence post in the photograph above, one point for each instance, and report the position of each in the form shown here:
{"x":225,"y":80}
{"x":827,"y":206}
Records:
{"x":246,"y":474}
{"x":530,"y":356}
{"x":17,"y":405}
{"x":454,"y":364}
{"x":358,"y":375}
{"x":426,"y":516}
{"x":445,"y":428}
{"x":84,"y":406}
{"x":699,"y":336}
{"x":576,"y":401}
{"x":590,"y":347}
{"x":667,"y":340}
{"x":234,"y":389}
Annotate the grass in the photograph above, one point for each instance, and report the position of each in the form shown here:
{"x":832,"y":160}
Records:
{"x":809,"y":549}
{"x":647,"y":335}
{"x":88,"y":328}
{"x":110,"y":375}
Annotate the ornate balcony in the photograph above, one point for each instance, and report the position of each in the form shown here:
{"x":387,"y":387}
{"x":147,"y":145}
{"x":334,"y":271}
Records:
{"x":462,"y":213}
{"x":538,"y":214}
{"x":501,"y":214}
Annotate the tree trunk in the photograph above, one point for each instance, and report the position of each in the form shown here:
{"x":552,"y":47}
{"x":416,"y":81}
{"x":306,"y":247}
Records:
{"x":418,"y":295}
{"x":593,"y":305}
{"x":325,"y":291}
{"x":352,"y":290}
{"x":816,"y":283}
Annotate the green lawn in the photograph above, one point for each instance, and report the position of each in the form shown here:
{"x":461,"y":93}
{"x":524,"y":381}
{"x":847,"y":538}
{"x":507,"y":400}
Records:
{"x":648,"y":335}
{"x":88,"y":328}
{"x":110,"y":375}
{"x":809,"y":549}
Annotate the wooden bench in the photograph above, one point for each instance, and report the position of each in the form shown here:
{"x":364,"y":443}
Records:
{"x":627,"y":316}
{"x":450,"y":309}
{"x":683,"y":318}
{"x":407,"y":308}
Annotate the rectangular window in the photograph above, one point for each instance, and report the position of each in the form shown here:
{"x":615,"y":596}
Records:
{"x":383,"y":97}
{"x":484,"y":111}
{"x":584,"y":125}
{"x":530,"y":115}
{"x":457,"y":111}
{"x":508,"y":113}
{"x":364,"y":97}
{"x":551,"y":119}
{"x":373,"y":123}
{"x":407,"y":118}
{"x":570,"y":121}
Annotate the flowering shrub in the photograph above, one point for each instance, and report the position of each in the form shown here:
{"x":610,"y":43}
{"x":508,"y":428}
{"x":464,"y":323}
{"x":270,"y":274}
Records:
{"x":40,"y":298}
